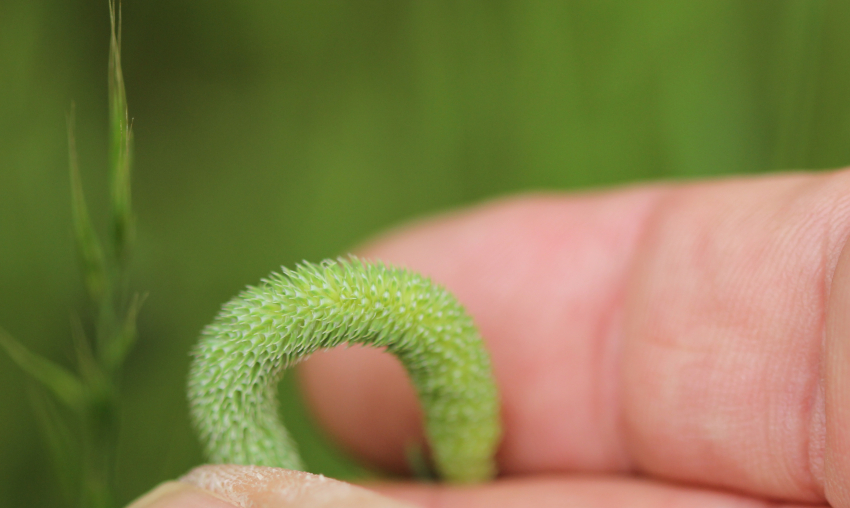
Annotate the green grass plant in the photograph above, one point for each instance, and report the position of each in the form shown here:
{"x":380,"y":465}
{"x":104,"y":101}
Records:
{"x":79,"y":410}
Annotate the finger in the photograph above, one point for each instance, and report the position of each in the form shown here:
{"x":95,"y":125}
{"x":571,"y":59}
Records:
{"x":179,"y":495}
{"x":676,"y":332}
{"x":229,"y":486}
{"x":576,"y":492}
{"x":541,"y":277}
{"x":724,"y":330}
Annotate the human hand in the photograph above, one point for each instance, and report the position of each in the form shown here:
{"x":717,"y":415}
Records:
{"x":678,"y":345}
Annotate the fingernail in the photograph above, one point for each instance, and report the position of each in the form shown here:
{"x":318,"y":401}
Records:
{"x":267,"y":487}
{"x":179,"y":495}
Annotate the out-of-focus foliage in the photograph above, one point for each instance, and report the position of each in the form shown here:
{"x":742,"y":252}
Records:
{"x":268,"y":132}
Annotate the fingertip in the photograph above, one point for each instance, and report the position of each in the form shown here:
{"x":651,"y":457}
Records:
{"x":179,"y":495}
{"x":272,"y":487}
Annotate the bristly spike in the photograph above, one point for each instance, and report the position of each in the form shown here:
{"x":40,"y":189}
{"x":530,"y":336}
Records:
{"x":347,"y":301}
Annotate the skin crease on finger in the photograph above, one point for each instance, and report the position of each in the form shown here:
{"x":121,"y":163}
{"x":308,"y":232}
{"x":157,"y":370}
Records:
{"x":673,"y":331}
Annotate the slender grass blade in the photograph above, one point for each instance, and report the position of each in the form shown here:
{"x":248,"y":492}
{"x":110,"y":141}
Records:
{"x":62,"y":383}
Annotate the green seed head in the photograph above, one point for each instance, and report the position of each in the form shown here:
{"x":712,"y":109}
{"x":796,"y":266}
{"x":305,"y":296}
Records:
{"x":241,"y":356}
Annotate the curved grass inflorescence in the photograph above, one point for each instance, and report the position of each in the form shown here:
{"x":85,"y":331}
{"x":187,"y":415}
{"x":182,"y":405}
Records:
{"x":242,"y":354}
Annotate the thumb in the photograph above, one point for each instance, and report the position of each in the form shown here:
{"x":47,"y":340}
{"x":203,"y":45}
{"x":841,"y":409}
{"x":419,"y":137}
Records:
{"x":230,"y":486}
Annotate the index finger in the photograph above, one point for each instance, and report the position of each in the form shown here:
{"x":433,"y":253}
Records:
{"x":675,"y":331}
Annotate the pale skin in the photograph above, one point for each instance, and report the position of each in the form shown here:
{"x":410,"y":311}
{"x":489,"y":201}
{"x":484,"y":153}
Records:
{"x":666,"y":345}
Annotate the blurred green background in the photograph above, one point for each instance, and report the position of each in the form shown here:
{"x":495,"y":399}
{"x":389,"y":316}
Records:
{"x":268,"y":132}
